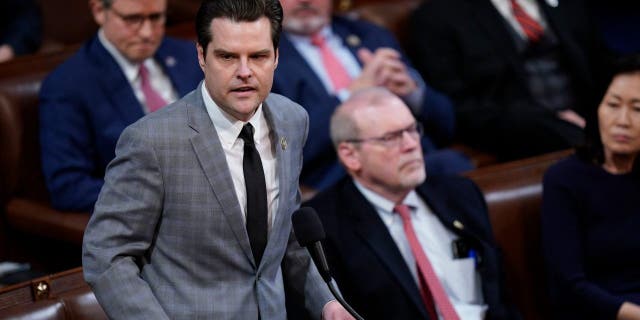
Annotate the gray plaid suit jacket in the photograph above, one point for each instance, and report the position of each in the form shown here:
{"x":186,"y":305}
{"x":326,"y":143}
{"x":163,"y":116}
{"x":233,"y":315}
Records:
{"x":167,"y":239}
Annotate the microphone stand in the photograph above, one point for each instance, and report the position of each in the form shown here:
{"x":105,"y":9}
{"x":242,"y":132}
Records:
{"x":334,"y":290}
{"x":323,"y":266}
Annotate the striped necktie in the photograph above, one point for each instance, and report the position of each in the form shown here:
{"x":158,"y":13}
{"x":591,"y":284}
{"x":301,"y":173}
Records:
{"x":338,"y":75}
{"x":152,"y":98}
{"x":431,"y":288}
{"x":532,"y":29}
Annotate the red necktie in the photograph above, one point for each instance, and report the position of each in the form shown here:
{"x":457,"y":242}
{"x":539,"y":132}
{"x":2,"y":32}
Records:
{"x":532,"y":29}
{"x":151,"y":96}
{"x":336,"y":71}
{"x":430,"y":284}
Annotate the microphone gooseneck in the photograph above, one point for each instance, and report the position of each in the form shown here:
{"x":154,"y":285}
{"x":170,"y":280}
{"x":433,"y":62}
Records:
{"x":309,"y":232}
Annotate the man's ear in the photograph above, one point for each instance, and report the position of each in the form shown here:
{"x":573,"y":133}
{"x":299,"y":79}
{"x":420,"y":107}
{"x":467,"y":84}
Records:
{"x":349,"y":155}
{"x":201,"y":55}
{"x":277,"y":56}
{"x":98,"y":10}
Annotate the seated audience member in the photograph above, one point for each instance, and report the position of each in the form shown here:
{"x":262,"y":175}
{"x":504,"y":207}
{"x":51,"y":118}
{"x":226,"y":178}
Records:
{"x":20,"y":28}
{"x":399,"y":244}
{"x":590,"y":217}
{"x":323,"y":58}
{"x":127,"y":70}
{"x":521,"y":72}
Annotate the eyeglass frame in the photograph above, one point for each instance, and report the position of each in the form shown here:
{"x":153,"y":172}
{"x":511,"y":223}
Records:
{"x":393,"y":138}
{"x":135,"y":21}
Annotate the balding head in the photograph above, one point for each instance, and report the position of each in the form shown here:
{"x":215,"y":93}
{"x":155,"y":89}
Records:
{"x":377,"y":139}
{"x":344,"y":125}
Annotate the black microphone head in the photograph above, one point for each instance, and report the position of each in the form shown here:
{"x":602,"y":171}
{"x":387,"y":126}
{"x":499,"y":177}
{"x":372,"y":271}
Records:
{"x":307,"y":226}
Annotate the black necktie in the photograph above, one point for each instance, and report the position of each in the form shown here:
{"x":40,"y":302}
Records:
{"x":256,"y":194}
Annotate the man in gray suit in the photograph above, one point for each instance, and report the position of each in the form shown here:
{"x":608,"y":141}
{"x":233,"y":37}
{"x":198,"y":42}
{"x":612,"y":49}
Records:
{"x":174,"y":233}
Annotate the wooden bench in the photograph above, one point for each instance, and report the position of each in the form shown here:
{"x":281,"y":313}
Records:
{"x":60,"y":296}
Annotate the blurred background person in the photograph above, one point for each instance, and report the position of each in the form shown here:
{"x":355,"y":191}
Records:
{"x":401,"y":244}
{"x":590,"y":213}
{"x":20,"y":28}
{"x":324,"y":58}
{"x":129,"y":68}
{"x":521,"y":73}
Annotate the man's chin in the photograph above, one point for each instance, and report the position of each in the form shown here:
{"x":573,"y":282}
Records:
{"x":140,"y":54}
{"x":414,"y":178}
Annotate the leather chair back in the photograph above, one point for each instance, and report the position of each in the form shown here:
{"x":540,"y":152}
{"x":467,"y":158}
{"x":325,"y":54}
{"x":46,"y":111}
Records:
{"x":513,"y":192}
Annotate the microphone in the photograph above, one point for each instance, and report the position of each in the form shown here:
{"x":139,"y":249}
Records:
{"x":309,"y":232}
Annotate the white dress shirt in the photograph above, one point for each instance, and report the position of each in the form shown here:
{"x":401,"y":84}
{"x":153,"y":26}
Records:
{"x":228,"y":129}
{"x":529,"y":6}
{"x":459,"y":278}
{"x":160,"y":82}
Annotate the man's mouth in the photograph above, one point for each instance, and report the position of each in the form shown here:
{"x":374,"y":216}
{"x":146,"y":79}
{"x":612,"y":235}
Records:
{"x":243,"y":89}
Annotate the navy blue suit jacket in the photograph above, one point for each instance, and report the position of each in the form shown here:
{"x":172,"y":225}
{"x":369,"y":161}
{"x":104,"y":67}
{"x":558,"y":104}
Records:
{"x":368,"y":266}
{"x":295,"y":79}
{"x":84,"y":106}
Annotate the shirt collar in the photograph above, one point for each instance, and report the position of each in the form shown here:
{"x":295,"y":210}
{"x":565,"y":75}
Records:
{"x":326,"y":32}
{"x":226,"y":125}
{"x":384,"y":205}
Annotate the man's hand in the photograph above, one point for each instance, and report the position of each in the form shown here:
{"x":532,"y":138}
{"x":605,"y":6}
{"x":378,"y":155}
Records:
{"x":572,"y":117}
{"x":333,"y":310}
{"x":628,"y":311}
{"x":6,"y":53}
{"x":383,"y":68}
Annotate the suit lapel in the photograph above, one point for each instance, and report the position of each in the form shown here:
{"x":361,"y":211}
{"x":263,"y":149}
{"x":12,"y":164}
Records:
{"x":557,"y":21}
{"x":208,"y":150}
{"x":277,"y":133}
{"x":172,"y":67}
{"x":114,"y":84}
{"x":350,"y":39}
{"x":446,"y":209}
{"x":494,"y":25}
{"x":554,"y":21}
{"x":296,"y":65}
{"x":374,"y":233}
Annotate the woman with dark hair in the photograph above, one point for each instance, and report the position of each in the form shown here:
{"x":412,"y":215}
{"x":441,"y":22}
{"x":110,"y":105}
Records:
{"x":590,"y":217}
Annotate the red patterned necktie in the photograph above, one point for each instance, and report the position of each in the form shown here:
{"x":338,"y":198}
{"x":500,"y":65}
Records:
{"x":431,"y":287}
{"x":532,"y":29}
{"x":337,"y":73}
{"x":152,"y":98}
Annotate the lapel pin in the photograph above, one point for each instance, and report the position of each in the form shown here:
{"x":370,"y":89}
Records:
{"x":552,"y":3}
{"x":170,"y":61}
{"x":283,"y":143}
{"x":353,"y":40}
{"x":458,"y":225}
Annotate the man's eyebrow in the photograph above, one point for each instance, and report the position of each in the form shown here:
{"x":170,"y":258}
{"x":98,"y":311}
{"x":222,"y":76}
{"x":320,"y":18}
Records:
{"x":263,"y":51}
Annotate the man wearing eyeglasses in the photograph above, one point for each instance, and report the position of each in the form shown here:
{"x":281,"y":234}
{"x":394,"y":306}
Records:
{"x":401,"y":245}
{"x":128,"y":69}
{"x":325,"y":57}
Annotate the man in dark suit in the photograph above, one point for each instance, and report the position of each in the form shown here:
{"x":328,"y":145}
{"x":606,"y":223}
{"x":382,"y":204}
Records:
{"x":369,"y":56}
{"x":518,"y":91}
{"x":87,"y":101}
{"x":380,"y":269}
{"x":194,"y":219}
